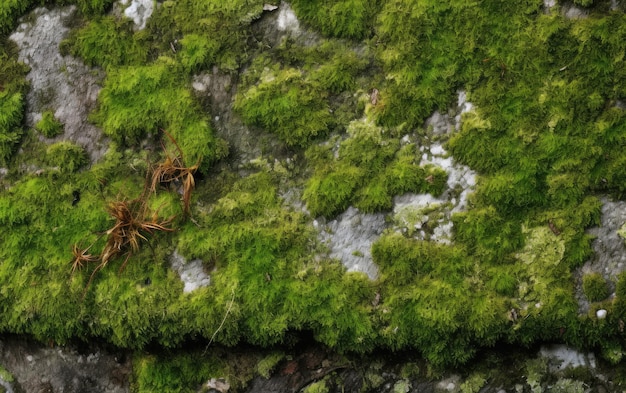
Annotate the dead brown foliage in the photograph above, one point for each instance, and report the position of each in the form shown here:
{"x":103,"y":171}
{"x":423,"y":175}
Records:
{"x":172,"y":171}
{"x":135,"y":221}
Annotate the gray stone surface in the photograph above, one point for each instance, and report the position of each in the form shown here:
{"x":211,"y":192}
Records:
{"x":37,"y":368}
{"x":609,"y":258}
{"x":61,"y":84}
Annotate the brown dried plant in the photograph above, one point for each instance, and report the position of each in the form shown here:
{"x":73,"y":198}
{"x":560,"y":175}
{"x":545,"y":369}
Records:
{"x":81,"y":257}
{"x":133,"y":222}
{"x":173,"y":170}
{"x":134,"y":219}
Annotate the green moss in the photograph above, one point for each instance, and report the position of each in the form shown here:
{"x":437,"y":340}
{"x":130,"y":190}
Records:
{"x":473,"y":383}
{"x":67,"y":156}
{"x":266,"y":366}
{"x":347,"y":19}
{"x":287,"y":105}
{"x":595,"y":287}
{"x":402,"y":386}
{"x":10,"y":10}
{"x":543,"y":139}
{"x":175,"y":373}
{"x":316,"y":387}
{"x":566,"y":385}
{"x":107,"y":42}
{"x":210,"y":33}
{"x":49,"y":126}
{"x":11,"y":112}
{"x":90,"y":8}
{"x":5,"y":375}
{"x":197,"y":52}
{"x":371,"y":168}
{"x":138,"y":101}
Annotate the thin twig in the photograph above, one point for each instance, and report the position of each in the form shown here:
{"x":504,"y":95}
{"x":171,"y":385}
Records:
{"x":232,"y":300}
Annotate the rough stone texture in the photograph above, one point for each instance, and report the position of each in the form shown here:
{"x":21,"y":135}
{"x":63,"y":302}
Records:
{"x":609,"y":257}
{"x":61,"y":84}
{"x":561,"y":357}
{"x":55,"y":369}
{"x":139,"y":11}
{"x":218,"y":89}
{"x":349,"y":238}
{"x":191,"y":272}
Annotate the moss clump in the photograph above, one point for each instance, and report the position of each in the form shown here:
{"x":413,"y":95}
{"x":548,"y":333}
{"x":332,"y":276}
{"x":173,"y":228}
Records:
{"x":473,"y":383}
{"x":266,"y":366}
{"x":10,"y":10}
{"x":595,"y":287}
{"x":285,"y":103}
{"x":346,"y":19}
{"x":107,"y":42}
{"x":204,"y":33}
{"x":49,"y":126}
{"x":197,"y":52}
{"x":176,"y":372}
{"x":370,"y":168}
{"x":316,"y":387}
{"x":306,"y":95}
{"x":92,"y":7}
{"x":67,"y":156}
{"x":5,"y":375}
{"x":137,"y":101}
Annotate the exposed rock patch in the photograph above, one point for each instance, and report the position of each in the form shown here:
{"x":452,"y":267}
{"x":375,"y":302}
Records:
{"x":191,"y":272}
{"x":62,"y":84}
{"x":349,"y":238}
{"x":561,"y":357}
{"x":609,"y":258}
{"x":287,"y":20}
{"x":218,"y":88}
{"x":139,"y":11}
{"x":57,"y":369}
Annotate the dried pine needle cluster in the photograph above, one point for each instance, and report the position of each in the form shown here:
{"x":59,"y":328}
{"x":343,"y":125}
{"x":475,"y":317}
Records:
{"x":134,"y":219}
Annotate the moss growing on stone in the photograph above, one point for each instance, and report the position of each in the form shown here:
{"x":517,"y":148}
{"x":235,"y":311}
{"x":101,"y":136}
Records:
{"x":544,"y":140}
{"x":370,"y":168}
{"x":138,"y":101}
{"x":285,"y":103}
{"x":49,"y":126}
{"x":11,"y":112}
{"x":346,"y":19}
{"x":107,"y":42}
{"x":595,"y":287}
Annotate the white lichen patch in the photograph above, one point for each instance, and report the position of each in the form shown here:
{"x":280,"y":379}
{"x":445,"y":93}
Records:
{"x":349,"y":239}
{"x":191,"y":273}
{"x":62,"y":84}
{"x":561,"y":357}
{"x":287,"y":19}
{"x":139,"y":11}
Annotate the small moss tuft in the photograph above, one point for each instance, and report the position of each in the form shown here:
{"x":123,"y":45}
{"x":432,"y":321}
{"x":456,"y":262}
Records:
{"x":49,"y":126}
{"x":67,"y":156}
{"x":595,"y":287}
